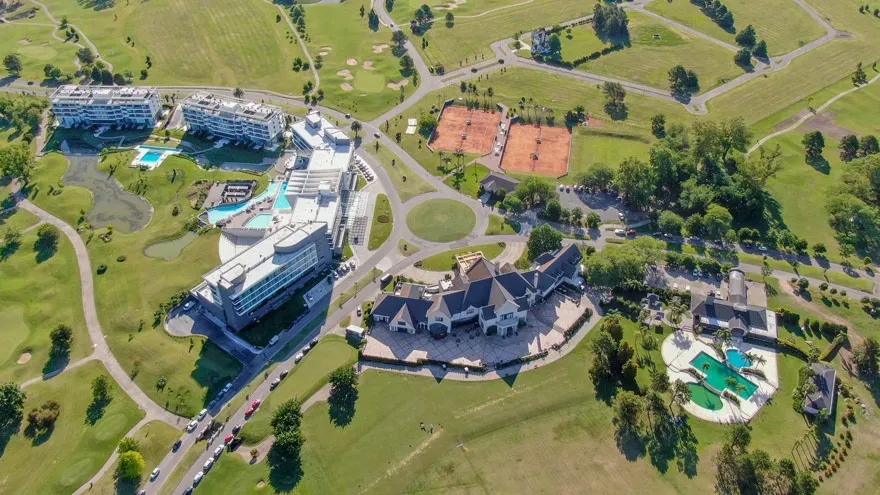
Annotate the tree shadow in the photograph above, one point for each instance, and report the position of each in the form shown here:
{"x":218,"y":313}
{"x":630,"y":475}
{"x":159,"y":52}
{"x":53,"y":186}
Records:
{"x":96,"y":5}
{"x":673,"y":439}
{"x":819,"y":163}
{"x":45,"y":250}
{"x":342,"y":406}
{"x":630,"y":443}
{"x":96,"y":410}
{"x":125,"y":486}
{"x":284,"y":478}
{"x":8,"y":249}
{"x":38,"y":436}
{"x":55,"y":364}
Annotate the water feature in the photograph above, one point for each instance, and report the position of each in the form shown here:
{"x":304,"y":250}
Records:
{"x":281,"y":202}
{"x":112,"y":204}
{"x":705,"y":398}
{"x":151,"y":157}
{"x":223,"y":212}
{"x":738,"y":358}
{"x":168,"y":250}
{"x":261,"y":221}
{"x":717,"y":374}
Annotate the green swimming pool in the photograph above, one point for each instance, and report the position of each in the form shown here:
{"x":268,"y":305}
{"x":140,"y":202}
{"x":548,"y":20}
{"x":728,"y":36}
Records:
{"x":704,"y":397}
{"x":717,"y":374}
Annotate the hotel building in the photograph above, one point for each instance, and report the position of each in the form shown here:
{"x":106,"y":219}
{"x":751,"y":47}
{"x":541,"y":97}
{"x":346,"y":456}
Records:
{"x":232,"y":119}
{"x":105,"y":106}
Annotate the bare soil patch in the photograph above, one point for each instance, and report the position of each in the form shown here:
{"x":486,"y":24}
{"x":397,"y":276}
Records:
{"x":399,"y":84}
{"x":346,"y":74}
{"x":791,"y":120}
{"x":352,"y":61}
{"x":25,"y":357}
{"x":594,"y":122}
{"x":824,"y":123}
{"x":24,"y":41}
{"x":346,"y":87}
{"x":379,"y":48}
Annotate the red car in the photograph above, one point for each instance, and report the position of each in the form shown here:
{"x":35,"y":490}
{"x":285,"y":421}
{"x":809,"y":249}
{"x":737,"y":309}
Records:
{"x":248,"y":413}
{"x":228,"y":439}
{"x":255,"y":404}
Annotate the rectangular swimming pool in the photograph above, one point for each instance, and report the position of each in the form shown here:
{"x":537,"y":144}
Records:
{"x":717,"y":374}
{"x":151,"y":157}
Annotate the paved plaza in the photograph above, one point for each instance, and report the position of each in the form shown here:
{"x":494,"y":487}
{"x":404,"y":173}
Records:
{"x":468,"y":346}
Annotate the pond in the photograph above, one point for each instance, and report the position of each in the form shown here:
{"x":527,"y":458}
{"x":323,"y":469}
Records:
{"x":168,"y":250}
{"x":112,"y":204}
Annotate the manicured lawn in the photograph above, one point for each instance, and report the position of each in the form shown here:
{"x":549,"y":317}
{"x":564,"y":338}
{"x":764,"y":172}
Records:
{"x":62,"y":460}
{"x":17,"y":219}
{"x":38,"y":293}
{"x":36,"y":47}
{"x":225,"y":43}
{"x":126,"y":301}
{"x":408,"y":183}
{"x":345,"y":38}
{"x":305,"y":379}
{"x":590,"y":146}
{"x":407,"y":248}
{"x":499,"y":225}
{"x":783,"y":25}
{"x":655,"y":47}
{"x":445,"y":261}
{"x":441,"y":220}
{"x":467,"y":180}
{"x":156,"y":439}
{"x":45,"y":184}
{"x":383,"y":223}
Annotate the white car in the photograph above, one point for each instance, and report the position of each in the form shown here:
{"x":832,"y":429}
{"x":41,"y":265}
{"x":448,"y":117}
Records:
{"x":154,"y":474}
{"x":192,"y":426}
{"x":189,"y":305}
{"x":619,"y":232}
{"x":298,"y":357}
{"x":198,"y":478}
{"x":273,"y":340}
{"x":209,"y":463}
{"x":561,"y":187}
{"x":218,"y":451}
{"x":202,"y":414}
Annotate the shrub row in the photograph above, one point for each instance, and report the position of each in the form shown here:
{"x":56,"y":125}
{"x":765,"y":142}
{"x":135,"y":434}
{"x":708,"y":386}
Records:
{"x":595,"y":55}
{"x":575,"y":327}
{"x":828,"y":329}
{"x":419,"y":362}
{"x":689,"y":262}
{"x":730,"y":396}
{"x":753,"y":371}
{"x":789,"y":345}
{"x":522,"y":360}
{"x":838,"y":341}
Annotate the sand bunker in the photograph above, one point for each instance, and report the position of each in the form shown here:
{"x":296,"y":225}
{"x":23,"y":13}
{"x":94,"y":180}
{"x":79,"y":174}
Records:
{"x":352,"y":61}
{"x":261,"y":484}
{"x":451,"y":5}
{"x":24,"y":358}
{"x":24,"y":41}
{"x":323,"y":54}
{"x":379,"y":48}
{"x":398,"y":85}
{"x":346,"y":87}
{"x":327,"y":48}
{"x":368,"y":64}
{"x":346,"y":74}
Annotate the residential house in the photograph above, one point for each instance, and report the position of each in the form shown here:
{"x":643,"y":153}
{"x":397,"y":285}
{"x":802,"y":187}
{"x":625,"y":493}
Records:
{"x":713,"y":313}
{"x":825,"y":378}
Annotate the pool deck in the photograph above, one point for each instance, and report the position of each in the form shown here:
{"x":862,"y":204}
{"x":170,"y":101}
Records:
{"x":680,"y":348}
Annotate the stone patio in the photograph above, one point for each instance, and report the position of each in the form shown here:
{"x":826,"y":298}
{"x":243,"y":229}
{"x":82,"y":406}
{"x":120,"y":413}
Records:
{"x":468,"y":346}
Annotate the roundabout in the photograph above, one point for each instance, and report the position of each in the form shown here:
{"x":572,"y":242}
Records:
{"x":441,"y":220}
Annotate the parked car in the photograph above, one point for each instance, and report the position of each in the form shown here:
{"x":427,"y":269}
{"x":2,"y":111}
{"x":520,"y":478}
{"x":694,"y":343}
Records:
{"x":226,"y":388}
{"x":154,"y":474}
{"x":631,"y":232}
{"x":202,"y":414}
{"x":376,"y":135}
{"x":247,"y":414}
{"x":188,"y":490}
{"x":208,"y":464}
{"x":198,"y":478}
{"x":176,"y":445}
{"x":236,"y":429}
{"x":189,"y":305}
{"x":315,"y":341}
{"x":762,"y":248}
{"x":298,"y":357}
{"x":218,"y":451}
{"x":192,"y":426}
{"x":621,"y":216}
{"x":561,"y":187}
{"x":274,"y":383}
{"x":229,"y":439}
{"x":255,"y":404}
{"x":273,"y":340}
{"x":619,"y":232}
{"x":359,"y":312}
{"x":283,"y":374}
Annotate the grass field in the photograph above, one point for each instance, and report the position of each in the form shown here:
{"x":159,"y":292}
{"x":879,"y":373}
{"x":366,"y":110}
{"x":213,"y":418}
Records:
{"x":338,"y":31}
{"x":225,"y":43}
{"x":654,"y":48}
{"x":383,"y":223}
{"x":591,"y":146}
{"x":194,"y":368}
{"x":441,"y":220}
{"x":467,"y":42}
{"x":783,"y":25}
{"x":407,"y":248}
{"x":35,"y":45}
{"x":445,"y":261}
{"x":62,"y":460}
{"x":305,"y":379}
{"x":544,"y":428}
{"x":408,"y":183}
{"x":38,"y":293}
{"x":499,"y":225}
{"x":467,"y":179}
{"x":46,"y":181}
{"x":17,"y":219}
{"x":156,"y":439}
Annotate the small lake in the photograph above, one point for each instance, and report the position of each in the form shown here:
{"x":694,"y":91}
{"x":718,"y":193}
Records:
{"x":169,"y":250}
{"x":112,"y":204}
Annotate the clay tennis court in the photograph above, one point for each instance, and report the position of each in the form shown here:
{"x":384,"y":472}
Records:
{"x":480,"y":133}
{"x":524,"y":153}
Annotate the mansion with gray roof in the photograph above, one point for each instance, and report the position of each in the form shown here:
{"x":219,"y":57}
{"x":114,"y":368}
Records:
{"x":734,"y":313}
{"x":496,"y":298}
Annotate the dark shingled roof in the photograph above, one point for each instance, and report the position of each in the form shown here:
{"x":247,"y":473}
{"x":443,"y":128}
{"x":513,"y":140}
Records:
{"x":737,"y":315}
{"x":495,"y":181}
{"x":825,"y":379}
{"x":563,"y":263}
{"x":414,"y":311}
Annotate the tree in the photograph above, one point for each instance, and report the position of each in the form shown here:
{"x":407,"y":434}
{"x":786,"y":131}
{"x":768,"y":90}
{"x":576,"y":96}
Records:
{"x":17,"y":160}
{"x":287,"y":417}
{"x":101,"y":392}
{"x":399,"y":39}
{"x":680,"y":83}
{"x":62,"y":339}
{"x":238,"y":93}
{"x":427,"y":124}
{"x":693,"y":226}
{"x":598,"y":176}
{"x":628,"y":409}
{"x":131,"y":465}
{"x":534,"y":191}
{"x":746,"y":37}
{"x":859,"y":77}
{"x":867,"y":357}
{"x":615,"y":95}
{"x":868,"y":145}
{"x":813,"y":143}
{"x":406,"y":64}
{"x":543,"y":239}
{"x":660,"y":382}
{"x":363,"y":11}
{"x":635,"y":181}
{"x":285,"y":451}
{"x":85,"y":56}
{"x":610,"y":20}
{"x":52,"y":72}
{"x":356,"y":127}
{"x":553,"y":210}
{"x":11,"y":403}
{"x":681,"y":394}
{"x":849,"y":147}
{"x":658,"y":126}
{"x":760,"y":50}
{"x":47,"y":236}
{"x":343,"y":380}
{"x":554,"y":44}
{"x":717,"y":221}
{"x":670,"y":223}
{"x":12,"y":63}
{"x":512,"y":203}
{"x":43,"y":419}
{"x":743,"y":58}
{"x":450,"y":19}
{"x":128,"y":444}
{"x":604,"y":349}
{"x":593,"y":220}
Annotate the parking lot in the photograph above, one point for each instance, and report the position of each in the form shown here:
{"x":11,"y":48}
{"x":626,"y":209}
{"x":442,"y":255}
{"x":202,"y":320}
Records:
{"x":606,"y":205}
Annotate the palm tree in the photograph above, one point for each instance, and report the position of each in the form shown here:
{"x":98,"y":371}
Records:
{"x":356,"y":127}
{"x":706,"y":367}
{"x":724,"y":336}
{"x":459,"y":156}
{"x":755,"y":358}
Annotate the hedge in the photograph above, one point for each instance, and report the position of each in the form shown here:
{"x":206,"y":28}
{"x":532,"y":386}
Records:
{"x":833,"y":347}
{"x":522,"y":360}
{"x":419,"y":362}
{"x":790,"y":346}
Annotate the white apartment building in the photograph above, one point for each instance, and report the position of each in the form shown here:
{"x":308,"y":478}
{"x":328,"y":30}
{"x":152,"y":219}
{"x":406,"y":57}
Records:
{"x":106,"y":105}
{"x":233,"y":119}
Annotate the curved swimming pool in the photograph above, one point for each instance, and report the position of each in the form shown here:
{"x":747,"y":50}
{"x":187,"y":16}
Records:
{"x":705,"y":398}
{"x":737,"y":358}
{"x":261,"y":221}
{"x":223,"y":212}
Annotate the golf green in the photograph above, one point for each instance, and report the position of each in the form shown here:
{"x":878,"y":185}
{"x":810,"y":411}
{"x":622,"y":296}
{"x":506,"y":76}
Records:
{"x":441,"y":220}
